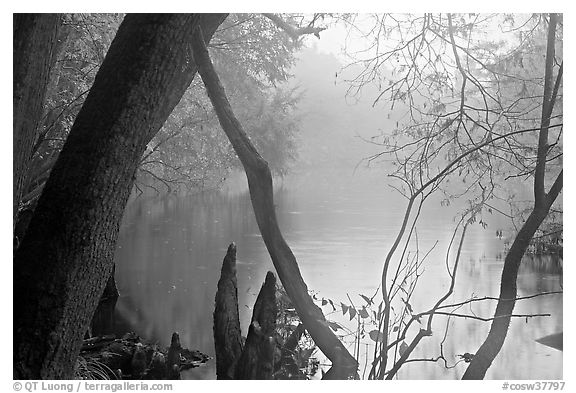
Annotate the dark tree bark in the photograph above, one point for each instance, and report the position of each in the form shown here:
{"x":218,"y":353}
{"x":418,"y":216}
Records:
{"x":261,"y":193}
{"x":103,"y":319}
{"x":34,"y":43}
{"x":66,"y":257}
{"x":227,"y":334}
{"x":257,"y":359}
{"x":485,"y":355}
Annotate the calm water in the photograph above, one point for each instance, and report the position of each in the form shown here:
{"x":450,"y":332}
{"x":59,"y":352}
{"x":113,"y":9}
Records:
{"x":339,"y":226}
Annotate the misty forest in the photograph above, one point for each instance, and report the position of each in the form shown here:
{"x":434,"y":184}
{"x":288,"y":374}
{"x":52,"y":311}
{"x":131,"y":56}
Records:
{"x":287,"y":196}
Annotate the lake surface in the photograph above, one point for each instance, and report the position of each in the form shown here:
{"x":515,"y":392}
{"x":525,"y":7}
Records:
{"x":340,"y":225}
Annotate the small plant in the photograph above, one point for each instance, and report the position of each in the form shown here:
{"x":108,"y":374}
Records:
{"x":298,"y":347}
{"x":90,"y":369}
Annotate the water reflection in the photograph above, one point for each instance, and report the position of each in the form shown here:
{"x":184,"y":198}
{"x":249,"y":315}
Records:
{"x":171,"y":248}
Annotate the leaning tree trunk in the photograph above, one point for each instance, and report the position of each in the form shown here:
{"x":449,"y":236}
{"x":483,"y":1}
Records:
{"x":488,"y":351}
{"x":261,"y":193}
{"x":66,"y":257}
{"x":34,"y":41}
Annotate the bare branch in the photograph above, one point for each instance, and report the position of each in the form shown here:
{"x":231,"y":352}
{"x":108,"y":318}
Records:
{"x":294,"y":32}
{"x":451,"y":314}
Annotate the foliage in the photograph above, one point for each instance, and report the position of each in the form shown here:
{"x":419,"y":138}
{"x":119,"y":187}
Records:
{"x":91,"y":369}
{"x":191,"y":149}
{"x":254,"y":49}
{"x":300,"y":364}
{"x":252,"y":58}
{"x":82,"y":44}
{"x":252,"y":55}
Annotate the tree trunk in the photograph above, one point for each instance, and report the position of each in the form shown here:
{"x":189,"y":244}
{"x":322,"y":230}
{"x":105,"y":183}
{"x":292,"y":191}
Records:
{"x":257,"y":359}
{"x":488,"y":351}
{"x":227,"y":334}
{"x":261,"y":193}
{"x":66,"y":257}
{"x":34,"y":41}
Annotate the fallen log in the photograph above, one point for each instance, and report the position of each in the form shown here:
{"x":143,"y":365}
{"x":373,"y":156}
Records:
{"x":130,"y":358}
